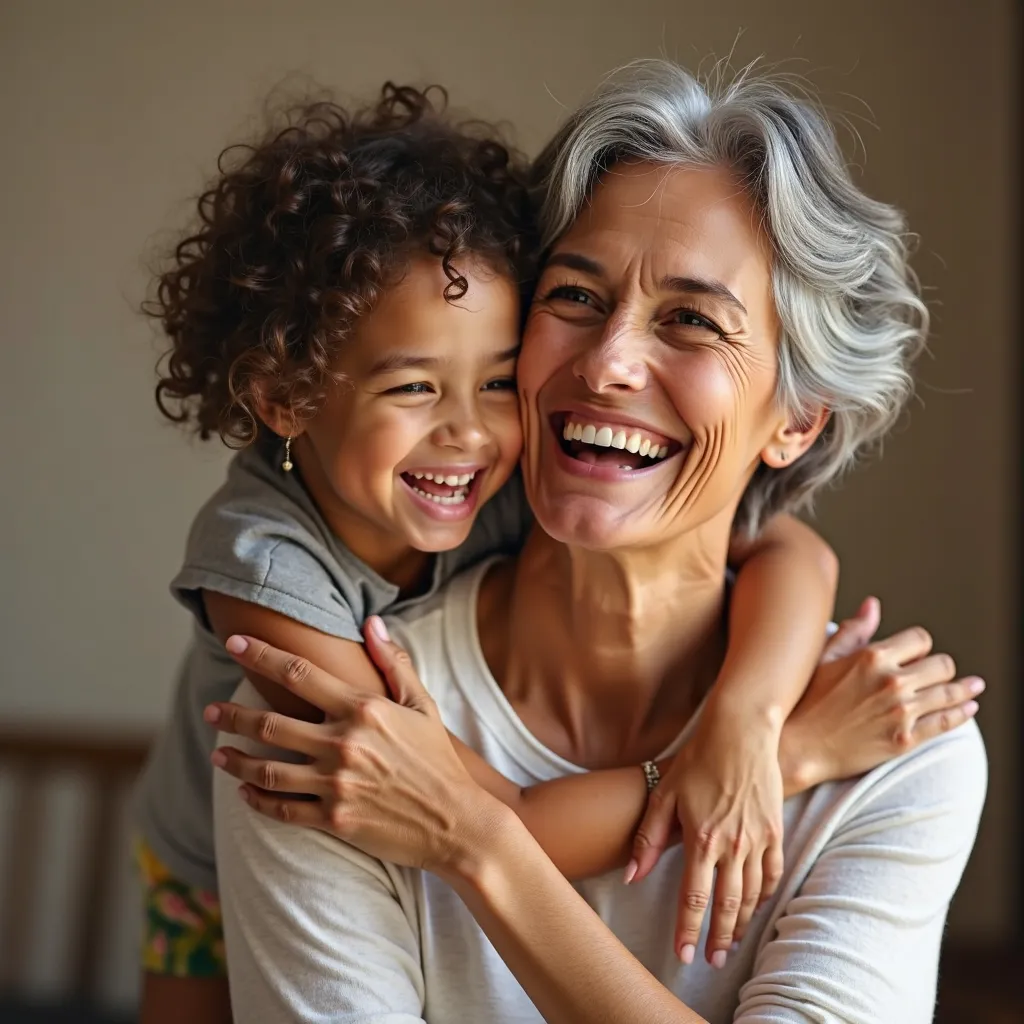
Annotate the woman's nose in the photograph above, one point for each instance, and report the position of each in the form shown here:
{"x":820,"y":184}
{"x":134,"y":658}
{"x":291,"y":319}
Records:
{"x":615,"y":362}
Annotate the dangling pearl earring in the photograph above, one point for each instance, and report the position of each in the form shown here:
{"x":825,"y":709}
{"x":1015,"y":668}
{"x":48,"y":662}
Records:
{"x":287,"y":464}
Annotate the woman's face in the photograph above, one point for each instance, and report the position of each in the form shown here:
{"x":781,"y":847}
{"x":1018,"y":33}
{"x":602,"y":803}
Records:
{"x":648,"y":369}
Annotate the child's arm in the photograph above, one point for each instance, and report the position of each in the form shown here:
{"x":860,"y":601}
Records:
{"x":725,"y":787}
{"x":584,"y":823}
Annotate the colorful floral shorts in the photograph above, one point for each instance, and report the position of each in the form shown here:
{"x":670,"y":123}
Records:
{"x":182,"y":931}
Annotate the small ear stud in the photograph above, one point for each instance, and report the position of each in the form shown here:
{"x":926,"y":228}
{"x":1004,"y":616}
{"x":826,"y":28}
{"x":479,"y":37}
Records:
{"x":287,"y":465}
{"x":783,"y":456}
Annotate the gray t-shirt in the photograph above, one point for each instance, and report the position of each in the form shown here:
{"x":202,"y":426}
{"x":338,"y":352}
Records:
{"x":261,"y":539}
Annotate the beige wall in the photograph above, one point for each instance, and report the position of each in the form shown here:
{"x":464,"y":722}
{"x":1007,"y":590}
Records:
{"x":112,"y":113}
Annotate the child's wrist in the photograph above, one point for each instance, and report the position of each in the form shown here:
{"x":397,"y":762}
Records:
{"x":742,"y":712}
{"x":800,"y":769}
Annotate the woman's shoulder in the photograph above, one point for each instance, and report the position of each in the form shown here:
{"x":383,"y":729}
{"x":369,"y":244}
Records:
{"x":936,"y":790}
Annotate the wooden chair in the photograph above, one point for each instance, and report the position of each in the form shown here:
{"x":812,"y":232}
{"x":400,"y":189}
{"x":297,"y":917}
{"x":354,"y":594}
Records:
{"x":107,"y":766}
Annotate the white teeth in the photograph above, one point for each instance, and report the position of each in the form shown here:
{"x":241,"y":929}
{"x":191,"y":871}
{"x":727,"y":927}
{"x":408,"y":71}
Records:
{"x":605,"y":437}
{"x":465,"y":478}
{"x":452,"y":480}
{"x":428,"y":476}
{"x":455,"y":499}
{"x":419,"y":476}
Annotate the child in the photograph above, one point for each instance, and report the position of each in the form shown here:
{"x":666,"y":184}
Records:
{"x":348,"y":313}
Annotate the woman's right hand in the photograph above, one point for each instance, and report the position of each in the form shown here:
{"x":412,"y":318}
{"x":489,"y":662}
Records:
{"x":870,"y":702}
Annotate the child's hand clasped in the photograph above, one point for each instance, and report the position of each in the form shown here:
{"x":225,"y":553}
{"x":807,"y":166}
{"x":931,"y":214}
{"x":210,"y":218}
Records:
{"x":866,"y":703}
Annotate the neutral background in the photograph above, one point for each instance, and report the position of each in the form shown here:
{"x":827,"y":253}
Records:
{"x":112,"y":115}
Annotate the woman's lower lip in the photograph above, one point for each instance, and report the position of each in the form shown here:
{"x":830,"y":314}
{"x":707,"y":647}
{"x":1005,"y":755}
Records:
{"x":446,"y":513}
{"x":603,"y":471}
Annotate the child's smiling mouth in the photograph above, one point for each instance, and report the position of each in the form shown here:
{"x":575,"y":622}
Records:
{"x":445,"y":492}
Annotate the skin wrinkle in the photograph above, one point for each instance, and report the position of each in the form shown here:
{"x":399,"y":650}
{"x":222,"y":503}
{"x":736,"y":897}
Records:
{"x":609,"y":337}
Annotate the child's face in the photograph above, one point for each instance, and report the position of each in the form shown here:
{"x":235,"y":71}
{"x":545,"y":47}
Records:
{"x":424,"y":427}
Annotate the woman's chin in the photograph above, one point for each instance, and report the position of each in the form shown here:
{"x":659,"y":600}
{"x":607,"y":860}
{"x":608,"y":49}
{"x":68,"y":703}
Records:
{"x":583,"y":521}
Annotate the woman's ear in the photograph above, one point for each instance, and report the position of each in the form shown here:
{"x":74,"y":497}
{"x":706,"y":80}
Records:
{"x":793,"y":437}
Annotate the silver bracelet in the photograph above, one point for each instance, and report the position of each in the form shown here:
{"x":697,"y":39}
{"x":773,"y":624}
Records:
{"x":651,"y":774}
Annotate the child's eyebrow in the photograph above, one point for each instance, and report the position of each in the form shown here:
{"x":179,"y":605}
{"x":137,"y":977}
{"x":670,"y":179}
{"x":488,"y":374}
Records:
{"x":403,"y":361}
{"x":409,"y":361}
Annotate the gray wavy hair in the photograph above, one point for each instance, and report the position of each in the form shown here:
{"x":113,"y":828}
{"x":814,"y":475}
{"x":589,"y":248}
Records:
{"x":852,"y":319}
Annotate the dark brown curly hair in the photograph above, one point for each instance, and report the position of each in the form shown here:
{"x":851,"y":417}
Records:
{"x":305,"y":229}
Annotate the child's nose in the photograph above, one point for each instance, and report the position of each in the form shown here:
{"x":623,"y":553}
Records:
{"x":465,"y":432}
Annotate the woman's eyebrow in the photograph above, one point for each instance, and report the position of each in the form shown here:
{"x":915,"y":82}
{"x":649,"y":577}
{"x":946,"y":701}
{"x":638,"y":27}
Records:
{"x":700,"y":286}
{"x":688,"y":285}
{"x":574,"y":261}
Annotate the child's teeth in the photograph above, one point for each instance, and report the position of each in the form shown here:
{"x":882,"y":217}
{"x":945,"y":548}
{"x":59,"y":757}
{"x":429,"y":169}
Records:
{"x":428,"y":476}
{"x":451,"y":481}
{"x":465,"y":478}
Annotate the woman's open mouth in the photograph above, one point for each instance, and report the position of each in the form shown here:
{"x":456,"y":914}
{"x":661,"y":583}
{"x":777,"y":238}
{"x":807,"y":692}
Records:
{"x":600,"y":443}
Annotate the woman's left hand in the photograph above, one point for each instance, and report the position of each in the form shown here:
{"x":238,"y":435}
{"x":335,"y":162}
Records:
{"x":383,"y":773}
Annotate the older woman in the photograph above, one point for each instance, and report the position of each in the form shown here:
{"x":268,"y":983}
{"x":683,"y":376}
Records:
{"x":715,"y":281}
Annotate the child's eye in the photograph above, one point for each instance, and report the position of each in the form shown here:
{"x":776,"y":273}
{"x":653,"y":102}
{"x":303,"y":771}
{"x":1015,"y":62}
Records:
{"x":419,"y":388}
{"x":501,"y":384}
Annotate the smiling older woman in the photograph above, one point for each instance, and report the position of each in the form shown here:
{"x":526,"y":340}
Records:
{"x":716,"y":284}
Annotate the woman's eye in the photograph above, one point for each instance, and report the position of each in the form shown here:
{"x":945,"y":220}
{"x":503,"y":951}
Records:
{"x":570,"y":293}
{"x":419,"y":388}
{"x":688,"y":318}
{"x":501,"y":384}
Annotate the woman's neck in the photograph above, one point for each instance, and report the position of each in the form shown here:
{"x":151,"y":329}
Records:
{"x":606,"y":656}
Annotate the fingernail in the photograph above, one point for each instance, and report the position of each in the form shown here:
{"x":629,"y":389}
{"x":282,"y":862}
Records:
{"x":977,"y":686}
{"x":379,"y":629}
{"x":630,"y":874}
{"x":718,"y":959}
{"x":218,"y":759}
{"x":211,"y":714}
{"x":686,"y":953}
{"x":244,"y":794}
{"x":237,"y":644}
{"x":971,"y":708}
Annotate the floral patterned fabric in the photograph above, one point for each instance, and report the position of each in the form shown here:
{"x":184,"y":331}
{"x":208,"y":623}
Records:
{"x":182,"y":931}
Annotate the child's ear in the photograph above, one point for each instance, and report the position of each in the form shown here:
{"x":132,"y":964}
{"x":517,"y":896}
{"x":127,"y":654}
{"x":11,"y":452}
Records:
{"x":793,"y":437}
{"x":276,"y":417}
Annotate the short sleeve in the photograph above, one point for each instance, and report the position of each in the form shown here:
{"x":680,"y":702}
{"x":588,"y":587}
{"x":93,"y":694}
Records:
{"x":314,"y":929}
{"x":261,"y":540}
{"x":858,"y":940}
